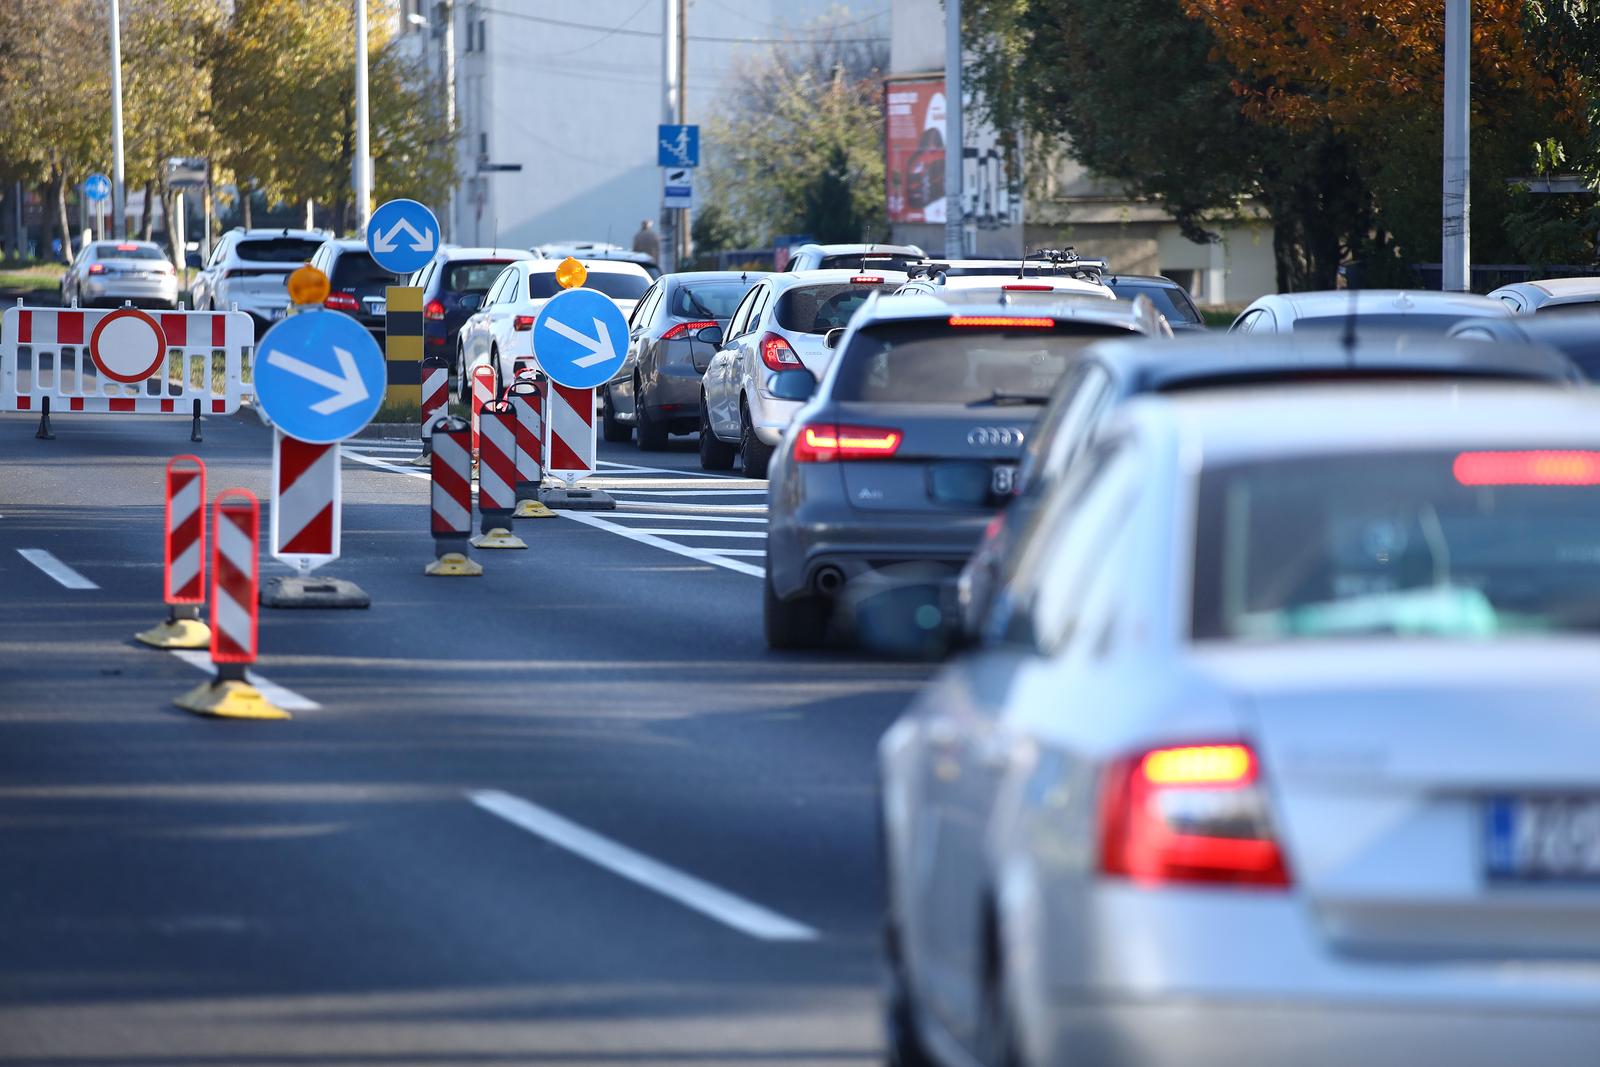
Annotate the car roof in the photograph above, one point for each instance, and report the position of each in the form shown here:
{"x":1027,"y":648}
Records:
{"x":597,"y":266}
{"x":1575,"y":331}
{"x":994,"y":283}
{"x":254,"y":234}
{"x":1143,"y":279}
{"x":832,"y":276}
{"x":1207,"y":360}
{"x":451,"y":253}
{"x":866,"y":249}
{"x":1231,"y":426}
{"x":1332,"y":302}
{"x":1564,"y":287}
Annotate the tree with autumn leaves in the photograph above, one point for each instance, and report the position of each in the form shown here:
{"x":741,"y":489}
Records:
{"x":1326,"y":112}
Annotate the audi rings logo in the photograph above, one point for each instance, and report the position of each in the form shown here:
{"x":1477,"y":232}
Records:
{"x":995,"y":436}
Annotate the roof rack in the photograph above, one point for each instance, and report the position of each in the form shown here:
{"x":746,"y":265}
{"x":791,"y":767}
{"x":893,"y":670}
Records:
{"x":1066,"y":260}
{"x":926,"y":269}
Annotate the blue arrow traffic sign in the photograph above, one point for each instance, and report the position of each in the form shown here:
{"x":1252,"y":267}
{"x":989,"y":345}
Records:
{"x":402,"y":236}
{"x":97,"y":187}
{"x":319,"y":376}
{"x":678,"y":145}
{"x":580,"y":338}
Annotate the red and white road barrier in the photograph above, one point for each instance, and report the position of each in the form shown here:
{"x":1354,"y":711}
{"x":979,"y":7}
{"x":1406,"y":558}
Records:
{"x":435,"y":396}
{"x":570,"y":433}
{"x":235,"y":581}
{"x":451,"y":501}
{"x":483,"y":392}
{"x":497,"y":476}
{"x":306,"y":504}
{"x":184,"y":563}
{"x":526,"y":396}
{"x":124,"y":361}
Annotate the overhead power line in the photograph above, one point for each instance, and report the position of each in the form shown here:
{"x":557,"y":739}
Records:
{"x":617,"y":31}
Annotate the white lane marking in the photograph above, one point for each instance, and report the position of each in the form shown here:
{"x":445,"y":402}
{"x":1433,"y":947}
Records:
{"x":741,"y":551}
{"x":675,"y":508}
{"x":359,"y":447}
{"x":681,"y":492}
{"x":287,"y":699}
{"x":703,"y":555}
{"x":664,"y":532}
{"x":658,"y":516}
{"x":415,"y":472}
{"x":63,"y":574}
{"x":734,"y":911}
{"x":660,"y":470}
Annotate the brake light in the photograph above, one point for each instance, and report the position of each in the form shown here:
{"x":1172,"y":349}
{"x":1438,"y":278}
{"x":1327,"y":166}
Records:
{"x":686,"y":327}
{"x":522,"y":323}
{"x":825,"y":442}
{"x":342,"y":302}
{"x":97,"y":268}
{"x":776,"y":353}
{"x":1028,"y":288}
{"x":867,"y":279}
{"x":127,"y":248}
{"x":1002,"y":322}
{"x":1528,"y":468}
{"x":434,"y":312}
{"x":1194,"y":813}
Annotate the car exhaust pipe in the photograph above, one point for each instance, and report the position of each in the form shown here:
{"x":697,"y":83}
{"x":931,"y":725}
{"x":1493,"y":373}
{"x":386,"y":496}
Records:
{"x":829,"y":580}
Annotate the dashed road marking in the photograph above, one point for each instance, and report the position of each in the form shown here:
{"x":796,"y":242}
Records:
{"x":63,"y":574}
{"x":703,"y":555}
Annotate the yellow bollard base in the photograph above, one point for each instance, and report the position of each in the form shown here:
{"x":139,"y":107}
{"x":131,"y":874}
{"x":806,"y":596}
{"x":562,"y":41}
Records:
{"x":498,"y":538}
{"x":180,"y":633}
{"x":532,"y":509}
{"x":453,"y":565}
{"x":229,"y":700}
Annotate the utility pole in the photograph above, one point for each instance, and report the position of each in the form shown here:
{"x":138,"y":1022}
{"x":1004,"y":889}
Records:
{"x":1457,"y":145}
{"x":952,"y":130}
{"x":118,"y":192}
{"x":683,"y":118}
{"x":445,"y":14}
{"x":671,"y":108}
{"x":363,"y":177}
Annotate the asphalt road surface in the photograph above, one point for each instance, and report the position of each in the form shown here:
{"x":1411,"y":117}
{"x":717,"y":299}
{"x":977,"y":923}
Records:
{"x":569,"y":812}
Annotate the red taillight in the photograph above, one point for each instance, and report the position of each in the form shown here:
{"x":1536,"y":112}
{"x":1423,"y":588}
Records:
{"x":776,"y":353}
{"x":686,"y":327}
{"x":127,"y":248}
{"x":97,"y":268}
{"x":434,"y":312}
{"x":522,"y":323}
{"x":1004,"y":322}
{"x":825,"y":442}
{"x":867,"y":279}
{"x":1528,"y":468}
{"x":1028,"y":288}
{"x":342,"y":302}
{"x":1193,"y":813}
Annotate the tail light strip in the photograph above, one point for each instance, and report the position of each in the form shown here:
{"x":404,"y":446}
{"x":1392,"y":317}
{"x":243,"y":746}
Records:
{"x":826,"y":442}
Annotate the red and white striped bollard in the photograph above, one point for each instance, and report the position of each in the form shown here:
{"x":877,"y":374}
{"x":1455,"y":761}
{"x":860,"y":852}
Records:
{"x":450,"y":509}
{"x":183,"y":572}
{"x":526,"y":397}
{"x":497,"y":477}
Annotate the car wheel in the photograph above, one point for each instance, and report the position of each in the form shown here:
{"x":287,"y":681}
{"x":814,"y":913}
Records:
{"x":463,"y":389}
{"x":715,"y":454}
{"x":651,"y":435}
{"x":793,"y":624}
{"x":754,"y":454}
{"x":610,"y":428}
{"x":997,"y":1032}
{"x":905,"y":1048}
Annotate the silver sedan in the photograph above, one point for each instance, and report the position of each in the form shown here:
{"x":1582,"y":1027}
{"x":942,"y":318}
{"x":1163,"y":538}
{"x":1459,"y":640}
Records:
{"x":108,"y":273}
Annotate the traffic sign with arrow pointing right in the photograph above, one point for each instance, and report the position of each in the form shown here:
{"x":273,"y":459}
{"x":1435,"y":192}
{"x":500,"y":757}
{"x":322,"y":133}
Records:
{"x":319,"y":376}
{"x":580,"y":338}
{"x":402,"y":236}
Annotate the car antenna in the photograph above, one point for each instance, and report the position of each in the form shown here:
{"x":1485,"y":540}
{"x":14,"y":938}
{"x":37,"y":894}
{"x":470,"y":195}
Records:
{"x":1349,"y":338}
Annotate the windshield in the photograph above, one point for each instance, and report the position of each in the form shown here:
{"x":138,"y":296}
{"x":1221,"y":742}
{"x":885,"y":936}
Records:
{"x":111,"y":250}
{"x":1443,"y":544}
{"x":934,"y":363}
{"x":1173,"y":303}
{"x":820,"y":308}
{"x":708,"y":300}
{"x":473,"y":275}
{"x":277,"y":249}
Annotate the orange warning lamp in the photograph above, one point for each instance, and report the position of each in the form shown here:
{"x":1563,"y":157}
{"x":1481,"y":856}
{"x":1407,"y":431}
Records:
{"x":308,"y":285}
{"x":570,"y":273}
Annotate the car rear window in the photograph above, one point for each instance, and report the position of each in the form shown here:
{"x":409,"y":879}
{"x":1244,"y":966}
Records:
{"x":356,"y":270}
{"x":1463,"y":543}
{"x":936,"y":363}
{"x":1432,"y":322}
{"x":820,"y":308}
{"x":708,"y":300}
{"x":874,"y":261}
{"x":276,"y":249}
{"x":543,"y":285}
{"x":1173,"y":303}
{"x":113,"y":250}
{"x":473,"y":275}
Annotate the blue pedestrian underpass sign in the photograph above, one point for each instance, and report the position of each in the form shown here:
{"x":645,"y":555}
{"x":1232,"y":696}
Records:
{"x":677,"y":145}
{"x":580,"y":338}
{"x":402,"y":236}
{"x":320,"y":376}
{"x":97,"y":187}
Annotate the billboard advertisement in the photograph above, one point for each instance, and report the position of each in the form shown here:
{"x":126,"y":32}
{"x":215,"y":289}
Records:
{"x":914,"y":118}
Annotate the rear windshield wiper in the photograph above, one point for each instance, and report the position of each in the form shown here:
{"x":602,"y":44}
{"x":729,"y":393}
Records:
{"x":1000,"y":398}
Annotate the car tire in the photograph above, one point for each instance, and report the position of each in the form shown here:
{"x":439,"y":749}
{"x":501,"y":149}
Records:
{"x":754,"y":454}
{"x":789,"y":625}
{"x":651,"y":435}
{"x":997,"y":1032}
{"x":904,"y":1047}
{"x":610,"y":428}
{"x":715,"y":454}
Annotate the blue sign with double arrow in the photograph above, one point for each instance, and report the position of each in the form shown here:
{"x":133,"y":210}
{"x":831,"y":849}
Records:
{"x":320,"y":376}
{"x":97,"y":187}
{"x":402,"y":236}
{"x":580,"y":338}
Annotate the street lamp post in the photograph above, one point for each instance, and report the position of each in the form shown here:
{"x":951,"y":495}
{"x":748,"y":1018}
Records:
{"x":363,"y":176}
{"x":952,"y":130}
{"x":118,"y":191}
{"x":1457,"y":145}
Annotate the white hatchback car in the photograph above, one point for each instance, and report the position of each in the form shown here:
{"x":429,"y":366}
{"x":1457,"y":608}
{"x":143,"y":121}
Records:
{"x":250,"y":269}
{"x":781,"y":324}
{"x":1388,"y":310}
{"x":1281,"y":748}
{"x":501,"y":330}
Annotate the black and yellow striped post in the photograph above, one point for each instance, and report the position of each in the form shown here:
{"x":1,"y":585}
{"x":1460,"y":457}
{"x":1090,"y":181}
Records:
{"x":403,"y":346}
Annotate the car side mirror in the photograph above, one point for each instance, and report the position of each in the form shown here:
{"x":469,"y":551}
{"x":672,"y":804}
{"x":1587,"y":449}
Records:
{"x":794,"y":384}
{"x":833,"y":337}
{"x":711,"y":335}
{"x":472,"y":301}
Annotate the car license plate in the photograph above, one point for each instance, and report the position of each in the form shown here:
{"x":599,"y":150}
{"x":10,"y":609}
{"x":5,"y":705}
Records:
{"x":377,"y":307}
{"x":1003,"y":479}
{"x":1543,"y":839}
{"x":278,"y":313}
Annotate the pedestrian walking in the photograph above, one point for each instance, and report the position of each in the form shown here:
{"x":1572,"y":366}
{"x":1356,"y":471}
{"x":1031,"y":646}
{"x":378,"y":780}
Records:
{"x":647,"y":240}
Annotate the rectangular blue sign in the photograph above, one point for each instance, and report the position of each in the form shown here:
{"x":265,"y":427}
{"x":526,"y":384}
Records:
{"x":678,"y":146}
